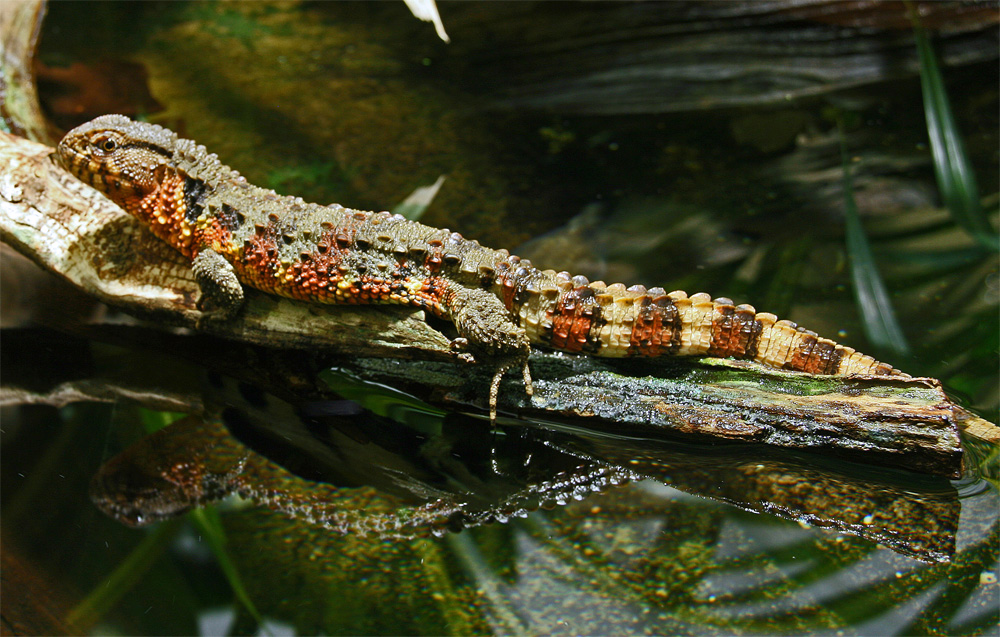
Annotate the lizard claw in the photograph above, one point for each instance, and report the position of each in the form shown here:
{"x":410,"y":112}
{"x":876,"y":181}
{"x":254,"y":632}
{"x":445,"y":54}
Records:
{"x":494,"y":391}
{"x":461,"y":346}
{"x":498,"y":375}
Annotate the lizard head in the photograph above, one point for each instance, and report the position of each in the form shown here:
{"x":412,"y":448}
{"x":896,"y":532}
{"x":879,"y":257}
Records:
{"x":124,"y":159}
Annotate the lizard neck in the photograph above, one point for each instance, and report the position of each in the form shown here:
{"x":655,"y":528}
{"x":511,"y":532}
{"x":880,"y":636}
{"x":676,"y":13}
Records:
{"x":171,"y":210}
{"x":175,"y":209}
{"x":197,"y":163}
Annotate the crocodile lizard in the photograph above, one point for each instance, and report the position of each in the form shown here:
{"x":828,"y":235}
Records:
{"x":238,"y":234}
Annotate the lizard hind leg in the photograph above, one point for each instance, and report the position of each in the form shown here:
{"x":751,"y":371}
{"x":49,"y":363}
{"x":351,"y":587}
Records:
{"x":487,"y":330}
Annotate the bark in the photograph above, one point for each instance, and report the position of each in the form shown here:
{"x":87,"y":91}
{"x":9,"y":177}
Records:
{"x":71,"y":230}
{"x":20,"y":111}
{"x":662,"y":57}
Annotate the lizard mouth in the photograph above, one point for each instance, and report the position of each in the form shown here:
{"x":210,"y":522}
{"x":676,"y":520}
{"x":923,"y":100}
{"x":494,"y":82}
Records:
{"x":68,"y":157}
{"x":76,"y":163}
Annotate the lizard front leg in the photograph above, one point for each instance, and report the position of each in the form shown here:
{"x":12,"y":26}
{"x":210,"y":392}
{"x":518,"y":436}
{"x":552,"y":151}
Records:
{"x":488,"y":333}
{"x":221,"y":291}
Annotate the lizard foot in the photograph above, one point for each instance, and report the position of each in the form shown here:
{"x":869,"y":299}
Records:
{"x":501,"y":369}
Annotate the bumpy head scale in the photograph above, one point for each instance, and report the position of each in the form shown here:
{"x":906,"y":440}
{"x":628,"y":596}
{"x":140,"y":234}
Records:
{"x":118,"y":156}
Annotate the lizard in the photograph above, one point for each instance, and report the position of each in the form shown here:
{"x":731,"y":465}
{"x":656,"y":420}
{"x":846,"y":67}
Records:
{"x":237,"y":234}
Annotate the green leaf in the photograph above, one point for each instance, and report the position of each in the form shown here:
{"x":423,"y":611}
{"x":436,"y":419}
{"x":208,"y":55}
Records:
{"x":877,"y":314}
{"x":209,"y":524}
{"x":955,"y":177}
{"x":153,"y":421}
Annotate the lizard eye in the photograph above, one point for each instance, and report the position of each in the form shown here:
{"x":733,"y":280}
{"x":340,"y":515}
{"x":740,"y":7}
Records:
{"x":107,"y":145}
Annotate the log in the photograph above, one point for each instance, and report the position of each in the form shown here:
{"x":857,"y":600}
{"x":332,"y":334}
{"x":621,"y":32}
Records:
{"x":663,"y":57}
{"x":901,"y":422}
{"x":71,"y":230}
{"x":20,"y":111}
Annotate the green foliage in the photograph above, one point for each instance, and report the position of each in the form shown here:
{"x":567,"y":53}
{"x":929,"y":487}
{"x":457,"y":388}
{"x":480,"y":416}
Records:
{"x":955,"y":177}
{"x":879,"y":317}
{"x":239,"y":21}
{"x":122,"y":580}
{"x":153,"y":421}
{"x":209,"y":525}
{"x":386,"y":401}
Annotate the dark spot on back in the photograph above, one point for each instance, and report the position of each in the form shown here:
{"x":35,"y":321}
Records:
{"x":229,"y":217}
{"x":194,"y":198}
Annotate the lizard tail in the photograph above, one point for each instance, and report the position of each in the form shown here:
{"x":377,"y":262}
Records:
{"x":575,"y":315}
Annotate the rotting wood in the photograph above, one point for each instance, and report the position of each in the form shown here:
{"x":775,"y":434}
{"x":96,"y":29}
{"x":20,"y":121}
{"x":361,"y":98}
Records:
{"x":71,"y":230}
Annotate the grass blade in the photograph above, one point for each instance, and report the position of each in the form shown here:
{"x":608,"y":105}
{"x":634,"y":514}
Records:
{"x":413,"y":206}
{"x":877,"y":314}
{"x":209,"y":524}
{"x":956,"y":180}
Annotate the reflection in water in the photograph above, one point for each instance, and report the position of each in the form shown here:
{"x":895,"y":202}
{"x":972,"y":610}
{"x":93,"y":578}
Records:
{"x":336,"y":478}
{"x":913,"y":515}
{"x":350,"y":470}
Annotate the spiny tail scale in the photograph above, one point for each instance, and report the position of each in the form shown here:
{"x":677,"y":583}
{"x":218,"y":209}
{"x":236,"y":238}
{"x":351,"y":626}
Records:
{"x":573,"y":314}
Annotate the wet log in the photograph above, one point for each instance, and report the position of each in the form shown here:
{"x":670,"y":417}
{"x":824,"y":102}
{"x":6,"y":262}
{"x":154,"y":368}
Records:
{"x":914,"y":515}
{"x":663,"y":57}
{"x":71,"y":230}
{"x":902,"y":422}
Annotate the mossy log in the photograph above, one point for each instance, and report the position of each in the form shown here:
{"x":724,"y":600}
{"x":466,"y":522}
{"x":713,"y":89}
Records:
{"x":71,"y":230}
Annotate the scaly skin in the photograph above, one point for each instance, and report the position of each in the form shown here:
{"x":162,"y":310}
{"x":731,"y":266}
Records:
{"x":238,"y":234}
